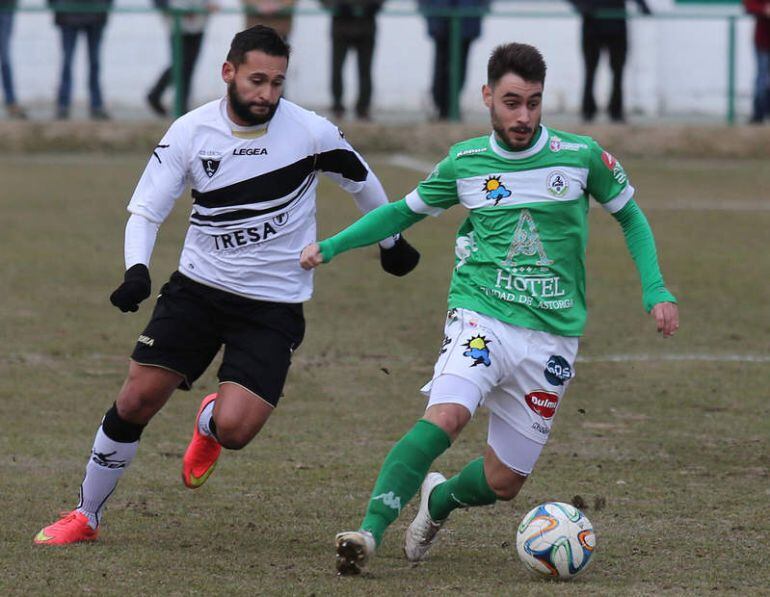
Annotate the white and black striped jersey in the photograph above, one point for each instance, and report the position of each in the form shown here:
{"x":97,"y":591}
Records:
{"x":254,"y":194}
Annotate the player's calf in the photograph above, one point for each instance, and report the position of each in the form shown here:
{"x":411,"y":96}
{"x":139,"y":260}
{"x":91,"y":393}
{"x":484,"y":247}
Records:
{"x":502,"y":480}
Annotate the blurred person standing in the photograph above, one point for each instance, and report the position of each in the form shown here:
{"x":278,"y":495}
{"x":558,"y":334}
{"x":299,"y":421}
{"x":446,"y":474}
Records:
{"x":440,"y":30}
{"x":192,"y":25}
{"x":761,"y":11}
{"x":7,"y":8}
{"x":271,"y":13}
{"x":354,"y":27}
{"x":604,"y":28}
{"x":72,"y":17}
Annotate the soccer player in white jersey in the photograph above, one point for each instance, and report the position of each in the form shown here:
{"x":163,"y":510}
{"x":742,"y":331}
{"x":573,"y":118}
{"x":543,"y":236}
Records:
{"x":516,"y":300}
{"x":252,"y":160}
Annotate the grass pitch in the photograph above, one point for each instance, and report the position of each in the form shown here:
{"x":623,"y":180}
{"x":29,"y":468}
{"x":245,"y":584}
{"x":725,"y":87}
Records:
{"x":666,"y":442}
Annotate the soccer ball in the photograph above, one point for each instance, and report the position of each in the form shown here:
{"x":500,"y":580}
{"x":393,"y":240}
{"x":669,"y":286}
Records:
{"x":556,"y":541}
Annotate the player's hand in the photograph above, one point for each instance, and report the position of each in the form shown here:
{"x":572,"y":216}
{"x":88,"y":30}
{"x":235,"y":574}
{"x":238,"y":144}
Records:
{"x":311,"y":256}
{"x":134,"y":289}
{"x":666,"y":317}
{"x":400,"y":259}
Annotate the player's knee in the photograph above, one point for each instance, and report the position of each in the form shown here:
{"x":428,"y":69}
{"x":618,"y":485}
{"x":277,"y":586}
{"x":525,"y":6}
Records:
{"x":450,"y":417}
{"x":234,"y":435}
{"x":137,"y":406}
{"x":449,"y":422}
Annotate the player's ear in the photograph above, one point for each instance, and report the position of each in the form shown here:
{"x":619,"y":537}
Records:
{"x":228,"y":72}
{"x":486,"y":94}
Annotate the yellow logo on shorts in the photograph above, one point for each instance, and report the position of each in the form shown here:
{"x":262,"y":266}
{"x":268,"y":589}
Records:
{"x":478,"y":350}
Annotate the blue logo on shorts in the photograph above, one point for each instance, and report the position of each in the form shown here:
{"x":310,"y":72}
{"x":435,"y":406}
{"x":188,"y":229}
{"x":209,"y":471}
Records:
{"x":557,"y":370}
{"x":478,"y":350}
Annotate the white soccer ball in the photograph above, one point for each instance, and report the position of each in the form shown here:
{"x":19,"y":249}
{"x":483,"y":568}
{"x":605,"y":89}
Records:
{"x":556,"y":541}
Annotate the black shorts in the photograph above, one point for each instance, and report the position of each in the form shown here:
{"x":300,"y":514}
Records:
{"x":192,"y":321}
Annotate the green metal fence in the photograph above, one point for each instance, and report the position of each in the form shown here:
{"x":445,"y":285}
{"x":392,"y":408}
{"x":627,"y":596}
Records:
{"x":455,"y":17}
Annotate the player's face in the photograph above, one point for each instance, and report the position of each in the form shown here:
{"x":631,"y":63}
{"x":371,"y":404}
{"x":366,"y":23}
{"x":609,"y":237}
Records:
{"x":254,"y":87}
{"x":515,"y":107}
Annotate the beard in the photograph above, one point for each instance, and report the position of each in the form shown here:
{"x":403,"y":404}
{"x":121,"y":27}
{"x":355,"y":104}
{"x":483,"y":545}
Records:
{"x":243,"y":109}
{"x":507,"y":135}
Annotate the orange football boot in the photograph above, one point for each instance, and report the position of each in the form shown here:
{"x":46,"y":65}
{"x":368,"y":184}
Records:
{"x":201,"y":455}
{"x":72,"y":527}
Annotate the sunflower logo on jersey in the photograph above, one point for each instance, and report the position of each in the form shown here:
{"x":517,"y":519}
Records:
{"x":495,"y":189}
{"x":478,"y":350}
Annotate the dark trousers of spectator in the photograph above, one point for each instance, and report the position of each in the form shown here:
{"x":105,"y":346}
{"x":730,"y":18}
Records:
{"x":6,"y":28}
{"x":363,"y":45}
{"x":442,"y":69}
{"x":762,"y":87}
{"x":69,"y":37}
{"x":191,"y":46}
{"x":598,"y":35}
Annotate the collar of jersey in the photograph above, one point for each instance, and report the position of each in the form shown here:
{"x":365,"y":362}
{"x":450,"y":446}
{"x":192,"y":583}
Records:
{"x":243,"y":132}
{"x":525,"y":153}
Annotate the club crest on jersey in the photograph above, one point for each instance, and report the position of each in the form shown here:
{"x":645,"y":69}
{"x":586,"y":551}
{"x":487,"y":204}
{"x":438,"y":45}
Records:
{"x":210,"y":162}
{"x":558,"y":145}
{"x":557,"y":184}
{"x":281,"y":219}
{"x":478,"y":350}
{"x":543,"y":403}
{"x":495,"y":189}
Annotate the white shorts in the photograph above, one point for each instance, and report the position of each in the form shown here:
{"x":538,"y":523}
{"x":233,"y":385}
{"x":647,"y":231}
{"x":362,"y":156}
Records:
{"x":521,"y":374}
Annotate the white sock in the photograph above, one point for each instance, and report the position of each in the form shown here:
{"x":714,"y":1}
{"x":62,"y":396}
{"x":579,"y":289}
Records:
{"x":105,"y":467}
{"x":205,"y":419}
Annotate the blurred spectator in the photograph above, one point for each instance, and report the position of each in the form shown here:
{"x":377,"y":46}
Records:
{"x":440,"y":30}
{"x":605,"y":33}
{"x":192,"y":25}
{"x":354,"y":26}
{"x":7,"y":8}
{"x":272,"y":13}
{"x":761,"y":11}
{"x":72,"y":18}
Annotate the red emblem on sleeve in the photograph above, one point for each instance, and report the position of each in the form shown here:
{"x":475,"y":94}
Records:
{"x":609,"y":160}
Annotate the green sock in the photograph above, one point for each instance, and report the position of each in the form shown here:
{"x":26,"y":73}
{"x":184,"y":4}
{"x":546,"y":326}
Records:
{"x":402,"y":473}
{"x":468,"y":488}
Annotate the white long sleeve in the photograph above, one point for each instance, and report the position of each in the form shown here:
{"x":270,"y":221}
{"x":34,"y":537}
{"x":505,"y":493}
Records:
{"x":141,"y":234}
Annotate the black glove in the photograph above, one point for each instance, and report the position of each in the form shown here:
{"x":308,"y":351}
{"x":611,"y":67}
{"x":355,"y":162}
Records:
{"x":400,"y":259}
{"x":134,"y":289}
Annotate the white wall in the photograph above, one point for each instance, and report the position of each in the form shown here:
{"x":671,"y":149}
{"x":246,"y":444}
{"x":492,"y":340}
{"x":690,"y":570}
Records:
{"x":675,"y":68}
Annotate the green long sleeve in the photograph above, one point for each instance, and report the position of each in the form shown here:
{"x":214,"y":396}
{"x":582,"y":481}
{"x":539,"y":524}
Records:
{"x":373,"y":227}
{"x":641,"y":245}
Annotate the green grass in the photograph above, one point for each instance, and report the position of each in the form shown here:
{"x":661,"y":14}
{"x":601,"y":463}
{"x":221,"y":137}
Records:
{"x":678,"y":450}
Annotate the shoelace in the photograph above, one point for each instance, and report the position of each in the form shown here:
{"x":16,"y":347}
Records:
{"x":66,"y":517}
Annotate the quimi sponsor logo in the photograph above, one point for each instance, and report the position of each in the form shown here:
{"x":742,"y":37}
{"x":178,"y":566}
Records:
{"x":543,"y":403}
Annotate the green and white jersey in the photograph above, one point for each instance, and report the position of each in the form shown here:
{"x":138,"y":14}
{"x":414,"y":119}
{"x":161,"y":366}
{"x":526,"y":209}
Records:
{"x":520,"y":253}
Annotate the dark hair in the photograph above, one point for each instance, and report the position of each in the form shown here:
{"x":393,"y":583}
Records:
{"x":520,"y":59}
{"x":260,"y":38}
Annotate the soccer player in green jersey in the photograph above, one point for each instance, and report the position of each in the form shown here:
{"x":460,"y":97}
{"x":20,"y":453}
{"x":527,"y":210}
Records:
{"x":516,"y":300}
